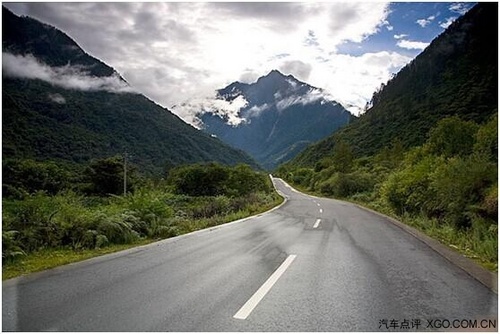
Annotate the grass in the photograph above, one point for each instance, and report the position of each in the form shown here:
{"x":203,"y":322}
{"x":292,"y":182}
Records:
{"x":51,"y":258}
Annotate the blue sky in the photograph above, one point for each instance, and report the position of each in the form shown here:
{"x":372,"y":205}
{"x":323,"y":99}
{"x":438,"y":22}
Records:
{"x":179,"y":54}
{"x":410,"y":21}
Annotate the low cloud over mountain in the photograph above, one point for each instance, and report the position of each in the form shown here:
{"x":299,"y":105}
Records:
{"x":272,"y":118}
{"x":69,"y":77}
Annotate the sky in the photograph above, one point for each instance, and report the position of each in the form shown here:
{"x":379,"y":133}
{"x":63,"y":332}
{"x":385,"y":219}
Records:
{"x":179,"y":54}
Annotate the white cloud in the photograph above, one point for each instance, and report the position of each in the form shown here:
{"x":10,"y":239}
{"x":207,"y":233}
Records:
{"x":351,"y":80}
{"x":406,"y":44}
{"x":57,"y":98}
{"x":70,"y":77}
{"x":224,"y":109}
{"x":312,"y":96}
{"x":459,"y":8}
{"x":447,"y":23}
{"x":297,"y":68}
{"x":255,"y":111}
{"x":424,"y":22}
{"x":180,"y":53}
{"x":400,"y":36}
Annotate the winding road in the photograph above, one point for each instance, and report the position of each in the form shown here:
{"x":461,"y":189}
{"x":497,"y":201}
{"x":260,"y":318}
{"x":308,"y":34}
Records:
{"x":312,"y":264}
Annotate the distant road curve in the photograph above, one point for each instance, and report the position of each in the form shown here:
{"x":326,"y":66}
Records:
{"x":313,"y":264}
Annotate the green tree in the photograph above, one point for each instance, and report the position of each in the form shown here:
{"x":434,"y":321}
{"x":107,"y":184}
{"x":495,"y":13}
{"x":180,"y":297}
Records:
{"x":487,"y":139}
{"x":106,"y":176}
{"x":243,"y":180}
{"x":452,"y":136}
{"x":28,"y":176}
{"x":343,"y":157}
{"x":198,"y":179}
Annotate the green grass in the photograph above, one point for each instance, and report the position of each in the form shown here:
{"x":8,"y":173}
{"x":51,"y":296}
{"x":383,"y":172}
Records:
{"x":51,"y":258}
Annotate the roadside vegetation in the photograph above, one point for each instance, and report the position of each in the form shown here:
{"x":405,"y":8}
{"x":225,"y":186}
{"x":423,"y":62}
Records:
{"x":447,"y":187}
{"x":53,"y":215}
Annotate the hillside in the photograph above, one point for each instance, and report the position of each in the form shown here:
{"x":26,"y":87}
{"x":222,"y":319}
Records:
{"x":456,"y":74}
{"x":59,"y":103}
{"x":271,"y":126}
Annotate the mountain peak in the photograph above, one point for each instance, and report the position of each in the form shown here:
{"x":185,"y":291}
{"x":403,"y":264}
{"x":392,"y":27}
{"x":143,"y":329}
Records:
{"x":277,"y":75}
{"x":272,"y":113}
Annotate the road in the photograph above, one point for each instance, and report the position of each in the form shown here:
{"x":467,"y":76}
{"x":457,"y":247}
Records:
{"x":313,"y":264}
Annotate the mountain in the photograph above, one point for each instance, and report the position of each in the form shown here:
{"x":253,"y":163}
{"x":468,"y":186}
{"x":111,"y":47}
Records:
{"x":280,"y":116}
{"x":60,"y":103}
{"x":457,"y":74}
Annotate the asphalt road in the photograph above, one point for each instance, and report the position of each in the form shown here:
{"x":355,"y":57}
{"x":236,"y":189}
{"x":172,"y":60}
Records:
{"x":310,"y":265}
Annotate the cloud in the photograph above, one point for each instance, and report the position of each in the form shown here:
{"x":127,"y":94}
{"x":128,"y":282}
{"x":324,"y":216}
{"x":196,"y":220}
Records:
{"x":424,"y":22}
{"x":406,"y":44}
{"x":57,"y":98}
{"x":176,"y":53}
{"x":448,"y":22}
{"x":351,"y":80}
{"x":459,"y":8}
{"x":69,"y":77}
{"x":313,"y":95}
{"x":297,"y":68}
{"x":400,"y":36}
{"x":255,"y":111}
{"x":229,"y":110}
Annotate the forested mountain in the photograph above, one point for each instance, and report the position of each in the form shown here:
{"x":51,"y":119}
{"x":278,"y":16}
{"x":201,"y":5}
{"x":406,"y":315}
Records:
{"x":59,"y":103}
{"x":456,"y":74}
{"x":281,"y":116}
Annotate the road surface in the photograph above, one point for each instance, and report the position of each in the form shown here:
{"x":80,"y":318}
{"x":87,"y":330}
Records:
{"x":310,"y":265}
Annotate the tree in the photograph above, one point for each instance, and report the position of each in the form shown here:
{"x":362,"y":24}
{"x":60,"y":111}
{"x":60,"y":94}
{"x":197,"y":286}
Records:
{"x":342,"y":157}
{"x":452,"y":137}
{"x":198,"y":179}
{"x":28,"y":176}
{"x":106,"y":176}
{"x":487,"y":139}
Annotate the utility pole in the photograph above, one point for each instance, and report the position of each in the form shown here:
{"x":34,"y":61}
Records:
{"x":125,"y":174}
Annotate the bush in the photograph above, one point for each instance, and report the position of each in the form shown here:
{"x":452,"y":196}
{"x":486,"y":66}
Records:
{"x":487,"y":139}
{"x":345,"y":185}
{"x":408,"y":190}
{"x":303,"y":176}
{"x":23,"y":177}
{"x":215,"y":180}
{"x":459,"y":186}
{"x":11,"y":249}
{"x":452,"y":136}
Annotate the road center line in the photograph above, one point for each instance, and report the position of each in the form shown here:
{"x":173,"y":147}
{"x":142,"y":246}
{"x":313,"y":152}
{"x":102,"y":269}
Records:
{"x":320,"y":210}
{"x":246,"y":309}
{"x":316,"y":224}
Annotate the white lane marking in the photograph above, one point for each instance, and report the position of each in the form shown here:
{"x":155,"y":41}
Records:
{"x":318,"y":204}
{"x":320,"y":210}
{"x":246,"y":309}
{"x":316,"y":224}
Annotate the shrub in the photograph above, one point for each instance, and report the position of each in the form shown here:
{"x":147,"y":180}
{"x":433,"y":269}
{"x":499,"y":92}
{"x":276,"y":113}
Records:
{"x":408,"y":190}
{"x":345,"y":185}
{"x":11,"y":249}
{"x":452,"y":136}
{"x":459,"y":186}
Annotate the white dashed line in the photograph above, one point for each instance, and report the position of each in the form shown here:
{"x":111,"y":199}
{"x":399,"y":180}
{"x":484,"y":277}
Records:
{"x":316,"y":224}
